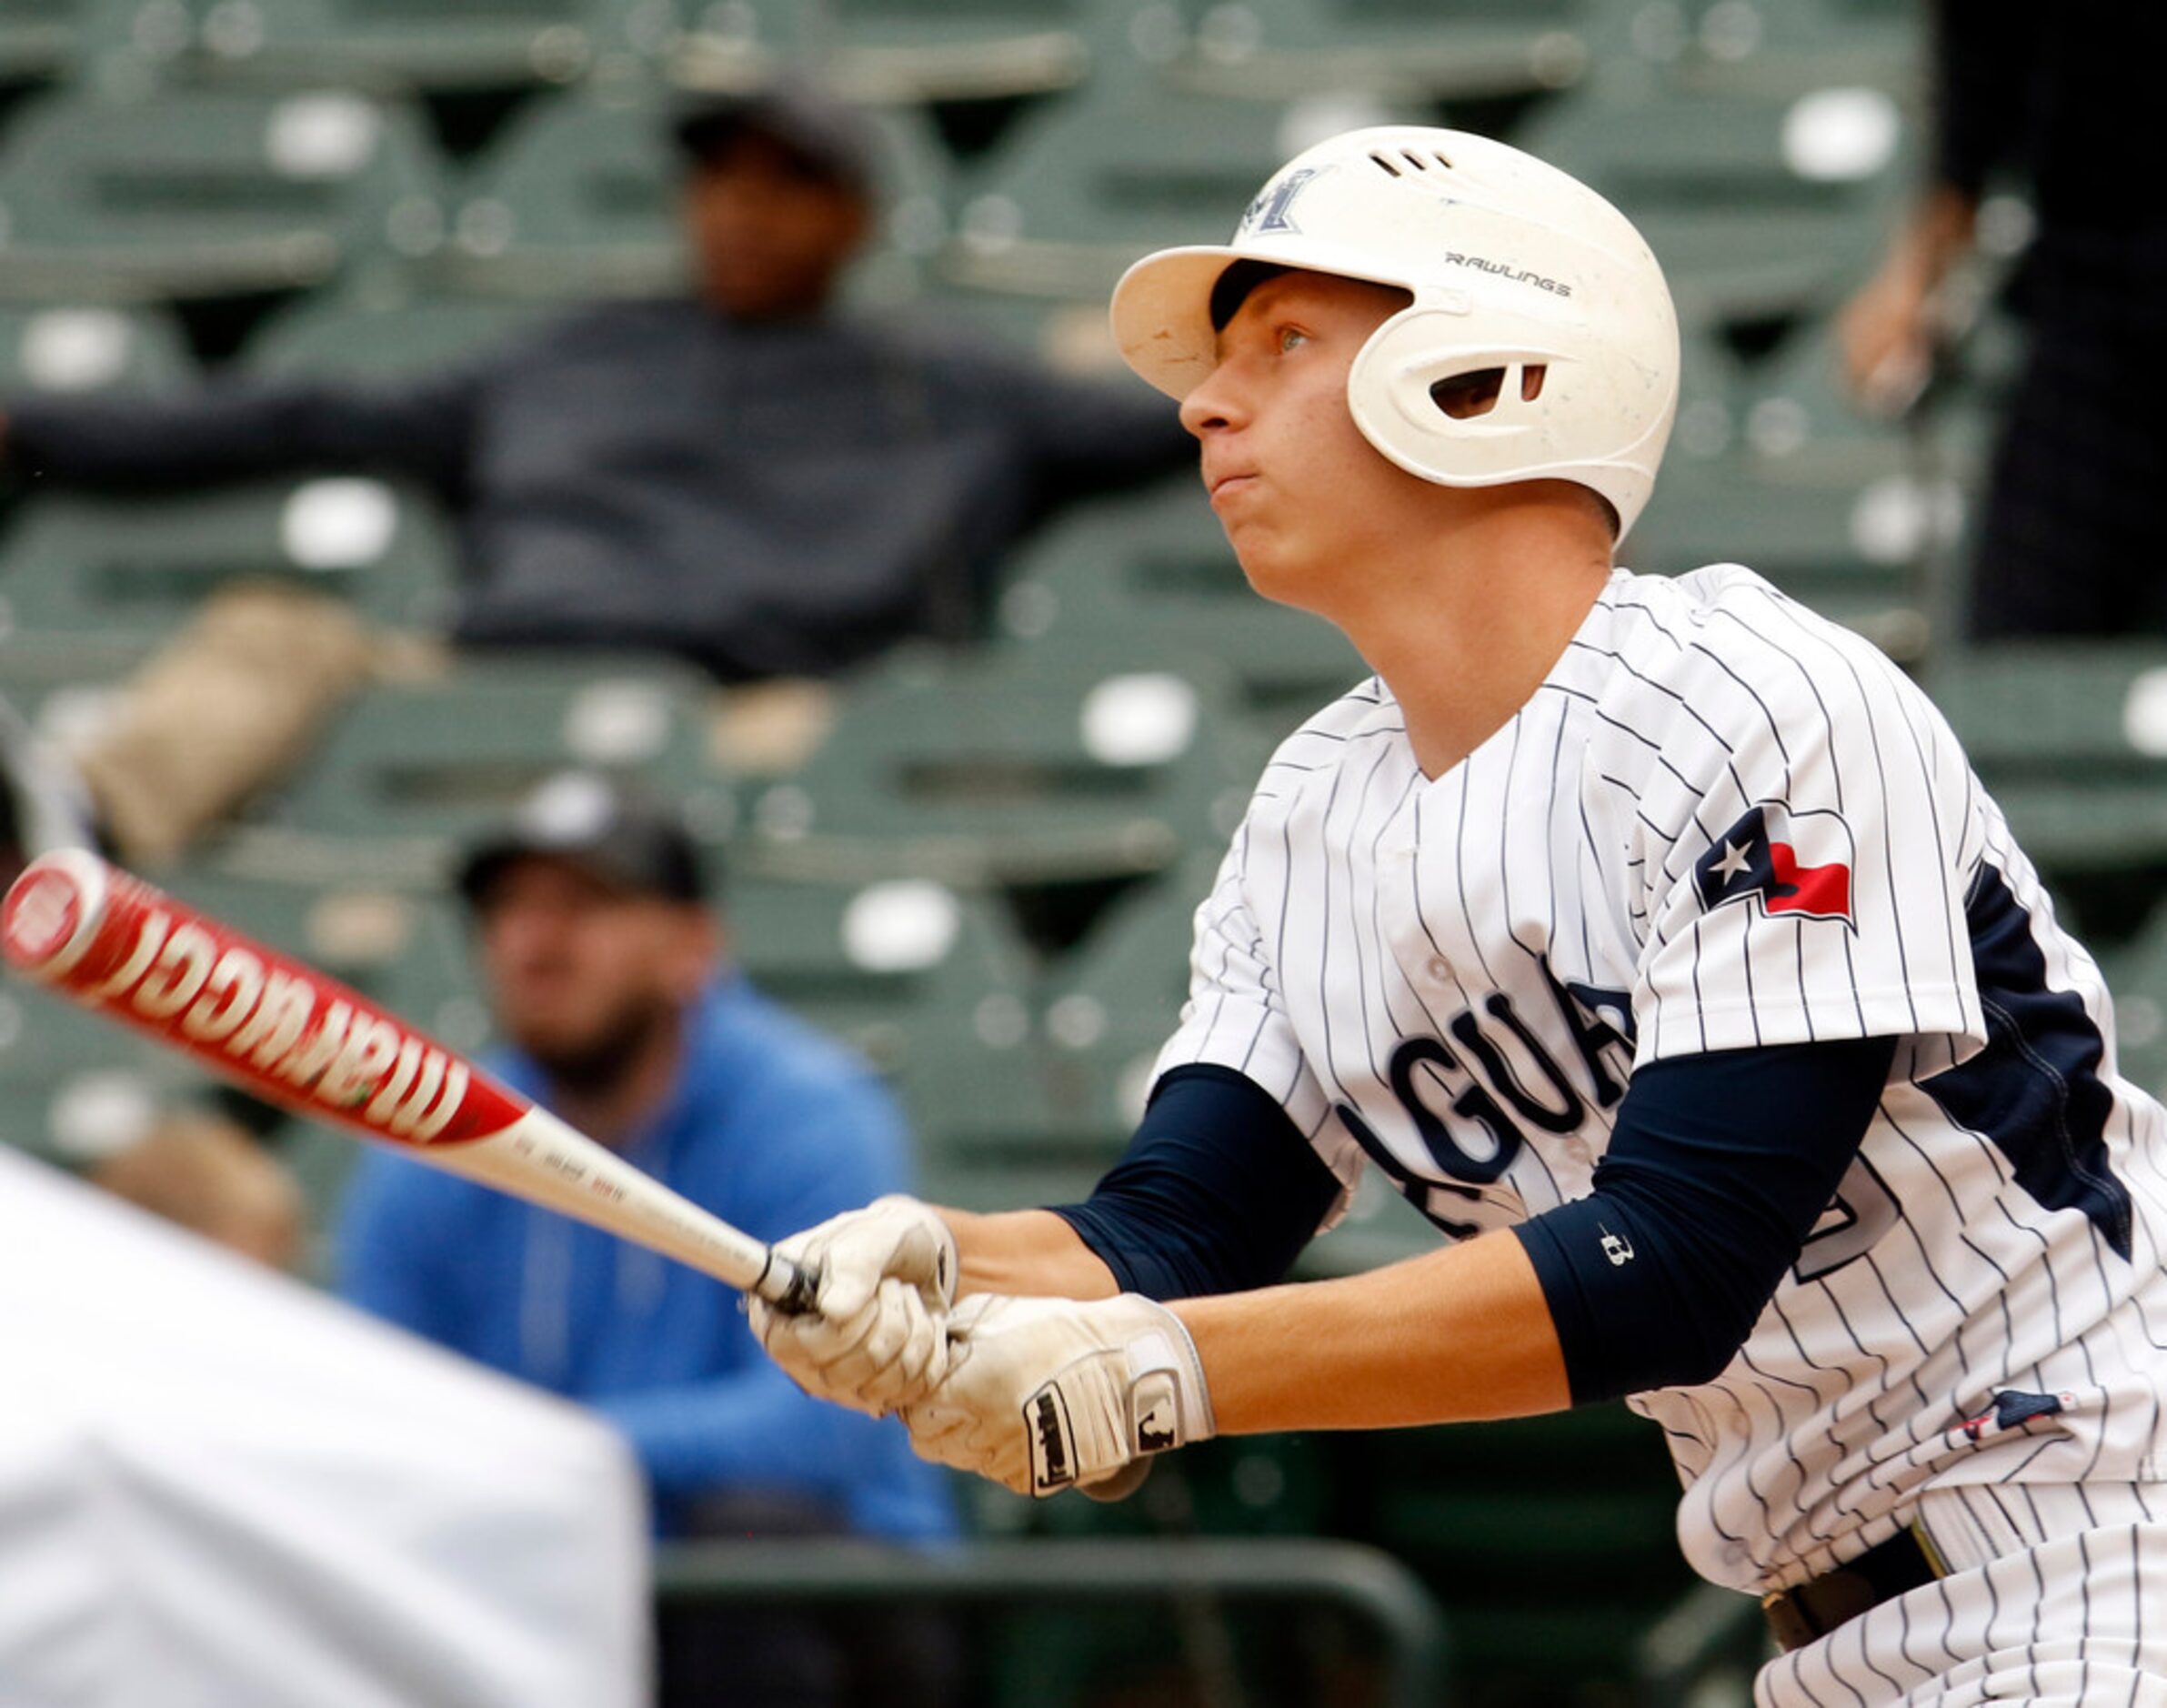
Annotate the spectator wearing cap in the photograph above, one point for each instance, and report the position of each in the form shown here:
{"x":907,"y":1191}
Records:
{"x":606,"y":968}
{"x":746,"y":474}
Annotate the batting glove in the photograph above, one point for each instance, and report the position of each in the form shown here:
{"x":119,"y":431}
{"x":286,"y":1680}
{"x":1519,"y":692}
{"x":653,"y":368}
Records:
{"x":1046,"y":1394}
{"x":878,"y":1336}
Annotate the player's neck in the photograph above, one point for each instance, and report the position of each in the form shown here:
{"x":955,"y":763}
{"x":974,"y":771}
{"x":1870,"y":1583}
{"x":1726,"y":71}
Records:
{"x":1464,"y":632}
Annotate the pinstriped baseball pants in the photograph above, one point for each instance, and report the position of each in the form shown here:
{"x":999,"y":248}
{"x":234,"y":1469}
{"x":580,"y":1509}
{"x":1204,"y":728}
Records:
{"x":2057,"y":1594}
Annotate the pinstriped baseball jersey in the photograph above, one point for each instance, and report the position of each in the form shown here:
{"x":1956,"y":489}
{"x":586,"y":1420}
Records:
{"x":1723,"y":821}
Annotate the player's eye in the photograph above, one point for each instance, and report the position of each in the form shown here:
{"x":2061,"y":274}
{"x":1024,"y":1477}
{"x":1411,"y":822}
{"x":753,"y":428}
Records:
{"x":1292,"y":338}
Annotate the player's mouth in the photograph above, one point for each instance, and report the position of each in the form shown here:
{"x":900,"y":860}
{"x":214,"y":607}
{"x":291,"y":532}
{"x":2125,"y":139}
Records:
{"x":1227,"y":485}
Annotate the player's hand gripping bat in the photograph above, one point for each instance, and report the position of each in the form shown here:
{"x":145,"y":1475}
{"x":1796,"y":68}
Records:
{"x":288,"y":1033}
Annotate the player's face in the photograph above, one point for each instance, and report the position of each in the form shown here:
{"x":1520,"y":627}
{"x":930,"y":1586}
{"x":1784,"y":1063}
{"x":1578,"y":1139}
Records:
{"x":771,"y":235}
{"x":580,"y":973}
{"x":1300,"y":492}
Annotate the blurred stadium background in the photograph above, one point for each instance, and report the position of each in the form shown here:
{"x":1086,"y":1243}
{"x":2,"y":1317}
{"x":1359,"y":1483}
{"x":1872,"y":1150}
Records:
{"x":983,"y":877}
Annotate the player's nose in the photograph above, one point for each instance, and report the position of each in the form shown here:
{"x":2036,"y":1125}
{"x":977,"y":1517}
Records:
{"x":1213,"y":406}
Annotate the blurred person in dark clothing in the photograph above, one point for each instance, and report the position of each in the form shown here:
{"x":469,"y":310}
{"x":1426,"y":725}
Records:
{"x":745,"y":475}
{"x":2051,"y":102}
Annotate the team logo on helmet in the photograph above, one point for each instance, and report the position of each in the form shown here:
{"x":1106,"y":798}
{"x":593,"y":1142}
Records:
{"x":1272,"y":209}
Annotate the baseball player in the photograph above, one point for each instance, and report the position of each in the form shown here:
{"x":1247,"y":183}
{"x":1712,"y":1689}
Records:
{"x":1654,"y":937}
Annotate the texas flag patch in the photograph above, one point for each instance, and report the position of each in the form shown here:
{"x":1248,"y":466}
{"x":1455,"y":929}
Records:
{"x":1788,"y":864}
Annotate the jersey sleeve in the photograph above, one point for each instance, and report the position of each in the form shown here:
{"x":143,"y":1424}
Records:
{"x":1235,"y":1017}
{"x":1813,"y":883}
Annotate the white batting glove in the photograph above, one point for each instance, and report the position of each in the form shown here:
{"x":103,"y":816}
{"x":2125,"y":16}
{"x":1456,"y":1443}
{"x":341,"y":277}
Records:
{"x":1046,"y":1394}
{"x":877,"y":1338}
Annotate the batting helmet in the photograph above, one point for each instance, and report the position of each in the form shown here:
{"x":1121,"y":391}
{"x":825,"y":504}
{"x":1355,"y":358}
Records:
{"x":1520,"y":275}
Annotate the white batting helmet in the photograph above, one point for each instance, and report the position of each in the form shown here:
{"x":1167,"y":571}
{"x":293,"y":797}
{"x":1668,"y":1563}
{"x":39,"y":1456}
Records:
{"x":1514,"y":266}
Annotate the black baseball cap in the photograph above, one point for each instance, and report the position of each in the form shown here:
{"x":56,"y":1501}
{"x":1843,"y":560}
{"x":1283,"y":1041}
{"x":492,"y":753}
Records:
{"x":829,"y":135}
{"x":628,"y":840}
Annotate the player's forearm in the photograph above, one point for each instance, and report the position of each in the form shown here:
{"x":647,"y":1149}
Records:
{"x":1455,"y":1335}
{"x":1030,"y":1253}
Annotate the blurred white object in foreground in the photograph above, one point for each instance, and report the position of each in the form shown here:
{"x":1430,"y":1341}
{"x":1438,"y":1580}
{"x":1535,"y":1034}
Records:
{"x":217,"y":1487}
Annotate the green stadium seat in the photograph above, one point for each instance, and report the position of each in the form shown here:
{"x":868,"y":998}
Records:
{"x":90,"y":584}
{"x":37,"y":39}
{"x":876,"y":963}
{"x":1761,"y":209}
{"x":1797,"y":424}
{"x":91,"y":349}
{"x":110,"y":44}
{"x":396,"y":45}
{"x":410,"y":771}
{"x":1788,"y":46}
{"x":1265,"y":1486}
{"x":1552,"y":1540}
{"x":1013,"y":766}
{"x":1085,"y":185}
{"x":45,"y":41}
{"x":1407,"y":49}
{"x":200,"y":193}
{"x":2070,"y":738}
{"x":575,"y":197}
{"x":1864,"y":556}
{"x":1114,"y":1001}
{"x":48,"y":1049}
{"x":358,"y":338}
{"x":1157,"y":564}
{"x":891,"y":50}
{"x":2136,"y":974}
{"x":989,"y":1137}
{"x":578,"y":197}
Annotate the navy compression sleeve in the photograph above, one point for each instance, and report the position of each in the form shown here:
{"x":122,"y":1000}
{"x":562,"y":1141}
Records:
{"x":1217,"y":1191}
{"x":1717,"y":1170}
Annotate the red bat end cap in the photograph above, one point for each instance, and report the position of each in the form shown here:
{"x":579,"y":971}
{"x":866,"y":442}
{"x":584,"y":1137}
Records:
{"x":52,"y":912}
{"x":274,"y":1025}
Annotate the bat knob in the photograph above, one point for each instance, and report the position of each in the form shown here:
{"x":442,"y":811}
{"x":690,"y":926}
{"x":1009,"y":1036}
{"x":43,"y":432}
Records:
{"x":52,"y":912}
{"x":791,"y":1288}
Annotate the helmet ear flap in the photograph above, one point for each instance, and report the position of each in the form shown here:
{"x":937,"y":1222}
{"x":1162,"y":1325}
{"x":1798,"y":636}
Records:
{"x":1437,"y":404}
{"x":1488,"y":396}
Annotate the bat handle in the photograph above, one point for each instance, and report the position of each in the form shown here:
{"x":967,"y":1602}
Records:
{"x":791,"y":1288}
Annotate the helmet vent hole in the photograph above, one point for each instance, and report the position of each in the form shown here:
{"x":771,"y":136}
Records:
{"x":1466,"y":396}
{"x":1469,"y":396}
{"x":1414,"y":160}
{"x":1443,"y":161}
{"x":1387,"y":167}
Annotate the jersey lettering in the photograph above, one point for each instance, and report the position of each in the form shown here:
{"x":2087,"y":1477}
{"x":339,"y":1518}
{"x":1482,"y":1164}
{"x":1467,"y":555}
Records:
{"x":1861,"y":1211}
{"x":1569,"y":1111}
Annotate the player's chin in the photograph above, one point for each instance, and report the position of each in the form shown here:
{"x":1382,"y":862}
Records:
{"x":1272,"y":572}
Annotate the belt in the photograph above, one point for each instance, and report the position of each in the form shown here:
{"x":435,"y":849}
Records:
{"x":1809,"y":1610}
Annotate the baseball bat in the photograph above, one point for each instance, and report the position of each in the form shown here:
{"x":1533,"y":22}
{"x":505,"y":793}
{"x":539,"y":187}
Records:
{"x":294,"y":1036}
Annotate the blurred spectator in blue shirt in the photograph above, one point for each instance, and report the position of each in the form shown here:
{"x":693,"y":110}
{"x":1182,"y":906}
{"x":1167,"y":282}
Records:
{"x":607,"y":970}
